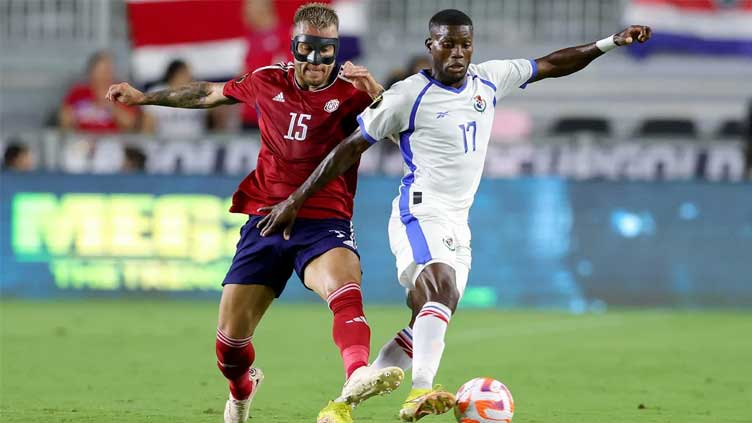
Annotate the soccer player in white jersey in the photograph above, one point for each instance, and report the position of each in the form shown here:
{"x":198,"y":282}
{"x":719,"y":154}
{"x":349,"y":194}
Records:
{"x":442,"y":119}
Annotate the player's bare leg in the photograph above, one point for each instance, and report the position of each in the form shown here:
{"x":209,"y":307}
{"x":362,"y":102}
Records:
{"x":434,"y":300}
{"x":335,"y":276}
{"x":240,"y":311}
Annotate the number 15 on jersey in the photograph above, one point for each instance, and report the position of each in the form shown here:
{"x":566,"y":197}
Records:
{"x":298,"y":129}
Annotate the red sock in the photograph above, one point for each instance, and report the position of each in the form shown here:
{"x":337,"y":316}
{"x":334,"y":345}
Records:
{"x":234,"y":359}
{"x":351,"y":332}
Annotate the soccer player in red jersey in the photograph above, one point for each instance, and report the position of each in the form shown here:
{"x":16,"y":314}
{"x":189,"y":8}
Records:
{"x":305,"y":108}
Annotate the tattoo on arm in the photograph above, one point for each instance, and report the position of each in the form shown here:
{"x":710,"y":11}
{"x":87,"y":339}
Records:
{"x":195,"y":95}
{"x":337,"y":162}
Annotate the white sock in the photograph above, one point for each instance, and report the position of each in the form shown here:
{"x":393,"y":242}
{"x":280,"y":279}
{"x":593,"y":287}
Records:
{"x":397,"y":352}
{"x":428,"y":342}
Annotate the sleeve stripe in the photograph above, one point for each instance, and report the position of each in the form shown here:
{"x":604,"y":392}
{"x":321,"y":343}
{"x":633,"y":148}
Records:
{"x":489,"y":83}
{"x":278,"y":66}
{"x":534,"y":65}
{"x":364,"y":132}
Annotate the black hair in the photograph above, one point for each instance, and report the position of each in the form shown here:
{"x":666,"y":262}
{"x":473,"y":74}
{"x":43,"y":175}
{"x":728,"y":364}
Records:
{"x":174,"y":67}
{"x":450,"y":17}
{"x":135,"y":159}
{"x":12,"y":152}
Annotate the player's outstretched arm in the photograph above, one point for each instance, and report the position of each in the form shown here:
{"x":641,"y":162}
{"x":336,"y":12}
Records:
{"x":573,"y":59}
{"x":340,"y":159}
{"x":195,"y":95}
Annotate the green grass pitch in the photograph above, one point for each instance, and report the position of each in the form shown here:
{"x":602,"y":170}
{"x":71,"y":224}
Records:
{"x":139,"y":361}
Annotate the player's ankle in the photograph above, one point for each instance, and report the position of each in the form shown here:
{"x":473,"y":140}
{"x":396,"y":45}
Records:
{"x":354,"y":367}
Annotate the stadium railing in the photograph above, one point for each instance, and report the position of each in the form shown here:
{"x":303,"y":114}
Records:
{"x":505,"y":21}
{"x":576,"y":156}
{"x":67,"y":22}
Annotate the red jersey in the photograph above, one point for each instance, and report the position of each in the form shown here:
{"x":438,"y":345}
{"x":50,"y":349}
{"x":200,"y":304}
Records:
{"x":92,"y":114}
{"x":298,"y":129}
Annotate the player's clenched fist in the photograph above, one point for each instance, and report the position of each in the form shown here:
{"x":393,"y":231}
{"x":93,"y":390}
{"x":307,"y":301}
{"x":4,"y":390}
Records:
{"x":362,"y":79}
{"x":125,"y":93}
{"x":634,"y":33}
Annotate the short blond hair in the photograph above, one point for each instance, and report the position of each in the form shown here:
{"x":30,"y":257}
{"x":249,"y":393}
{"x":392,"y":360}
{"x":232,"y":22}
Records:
{"x":318,"y":15}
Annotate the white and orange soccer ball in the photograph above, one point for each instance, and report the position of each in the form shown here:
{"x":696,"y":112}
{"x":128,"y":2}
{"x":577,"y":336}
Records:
{"x":484,"y":400}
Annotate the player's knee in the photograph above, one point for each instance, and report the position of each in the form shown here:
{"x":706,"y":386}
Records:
{"x":338,"y":284}
{"x":447,"y":293}
{"x":234,"y":355}
{"x":234,"y":326}
{"x":325,"y":285}
{"x":331,"y":271}
{"x":436,"y":284}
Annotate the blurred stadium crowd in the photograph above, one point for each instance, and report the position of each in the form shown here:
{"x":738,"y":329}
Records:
{"x":668,"y":114}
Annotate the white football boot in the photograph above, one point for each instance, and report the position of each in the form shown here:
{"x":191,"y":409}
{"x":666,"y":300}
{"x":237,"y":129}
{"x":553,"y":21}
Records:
{"x":237,"y":411}
{"x":367,"y":382}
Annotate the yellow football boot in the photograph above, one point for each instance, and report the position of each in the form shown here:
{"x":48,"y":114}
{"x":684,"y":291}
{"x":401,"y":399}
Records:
{"x":335,"y":412}
{"x":424,"y":402}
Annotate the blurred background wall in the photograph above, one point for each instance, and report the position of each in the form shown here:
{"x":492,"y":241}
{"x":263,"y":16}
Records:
{"x":622,"y":184}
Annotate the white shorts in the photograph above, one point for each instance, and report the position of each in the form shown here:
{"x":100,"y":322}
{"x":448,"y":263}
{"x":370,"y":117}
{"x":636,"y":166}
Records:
{"x":424,"y":237}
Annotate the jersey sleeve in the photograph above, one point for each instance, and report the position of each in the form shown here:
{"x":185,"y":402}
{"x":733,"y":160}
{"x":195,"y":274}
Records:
{"x":506,"y":75}
{"x":241,"y":89}
{"x":360,"y":101}
{"x":388,"y":115}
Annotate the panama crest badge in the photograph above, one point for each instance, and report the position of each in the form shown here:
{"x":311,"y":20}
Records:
{"x":479,"y":104}
{"x":449,"y":243}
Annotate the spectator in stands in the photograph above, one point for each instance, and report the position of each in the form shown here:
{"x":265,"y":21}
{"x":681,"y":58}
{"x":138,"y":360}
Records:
{"x":171,"y":123}
{"x":415,"y":65}
{"x":17,"y":158}
{"x":268,"y":38}
{"x":134,"y":160}
{"x":85,"y":108}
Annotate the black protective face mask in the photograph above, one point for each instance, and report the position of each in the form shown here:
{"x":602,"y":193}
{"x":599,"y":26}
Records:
{"x":317,"y":44}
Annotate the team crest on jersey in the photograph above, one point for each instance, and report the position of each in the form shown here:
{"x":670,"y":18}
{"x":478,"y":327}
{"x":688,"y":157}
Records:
{"x":241,"y":79}
{"x":331,"y":105}
{"x":479,"y":103}
{"x":449,"y":243}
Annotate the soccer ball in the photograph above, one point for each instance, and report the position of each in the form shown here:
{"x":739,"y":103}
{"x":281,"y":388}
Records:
{"x":484,"y":400}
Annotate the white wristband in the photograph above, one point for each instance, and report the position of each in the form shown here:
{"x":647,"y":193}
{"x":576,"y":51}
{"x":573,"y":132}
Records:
{"x":607,"y":44}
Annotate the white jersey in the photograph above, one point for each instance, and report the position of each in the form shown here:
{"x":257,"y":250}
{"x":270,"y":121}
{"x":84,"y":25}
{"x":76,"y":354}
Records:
{"x":443,"y":132}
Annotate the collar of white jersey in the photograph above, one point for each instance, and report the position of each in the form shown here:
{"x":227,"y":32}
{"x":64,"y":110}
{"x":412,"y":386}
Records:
{"x":436,"y":82}
{"x":336,"y":71}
